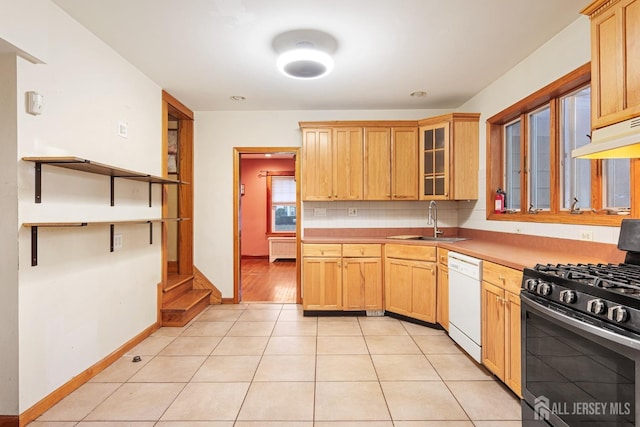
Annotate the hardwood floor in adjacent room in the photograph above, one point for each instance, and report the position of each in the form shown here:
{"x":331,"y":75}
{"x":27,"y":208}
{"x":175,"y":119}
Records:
{"x":264,"y":281}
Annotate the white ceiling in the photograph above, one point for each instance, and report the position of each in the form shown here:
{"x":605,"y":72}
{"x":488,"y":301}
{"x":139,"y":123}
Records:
{"x":204,"y":51}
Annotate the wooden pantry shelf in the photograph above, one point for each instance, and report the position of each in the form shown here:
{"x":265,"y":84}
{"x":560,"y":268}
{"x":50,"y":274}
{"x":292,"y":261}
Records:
{"x":89,"y":166}
{"x":35,"y":225}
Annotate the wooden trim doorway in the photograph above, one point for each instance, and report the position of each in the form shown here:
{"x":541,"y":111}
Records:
{"x":174,"y":108}
{"x":237,"y":152}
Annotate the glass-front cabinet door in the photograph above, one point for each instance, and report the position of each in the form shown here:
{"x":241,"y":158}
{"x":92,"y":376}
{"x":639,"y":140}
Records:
{"x":434,"y":162}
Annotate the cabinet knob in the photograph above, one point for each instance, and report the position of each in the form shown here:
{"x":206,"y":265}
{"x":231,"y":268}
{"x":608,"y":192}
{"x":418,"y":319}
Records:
{"x":361,"y":251}
{"x":321,"y":252}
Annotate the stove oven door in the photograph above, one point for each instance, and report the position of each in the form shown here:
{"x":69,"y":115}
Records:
{"x":576,"y":370}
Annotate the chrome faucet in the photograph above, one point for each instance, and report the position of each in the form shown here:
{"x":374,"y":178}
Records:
{"x":433,"y":218}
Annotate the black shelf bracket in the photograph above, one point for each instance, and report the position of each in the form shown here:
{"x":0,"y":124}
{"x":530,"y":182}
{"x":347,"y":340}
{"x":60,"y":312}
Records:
{"x":150,"y":186}
{"x":150,"y":233}
{"x":111,"y":233}
{"x":38,"y":182}
{"x":113,"y":181}
{"x":34,"y":246}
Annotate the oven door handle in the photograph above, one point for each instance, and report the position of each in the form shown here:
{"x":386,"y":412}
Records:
{"x":578,"y":324}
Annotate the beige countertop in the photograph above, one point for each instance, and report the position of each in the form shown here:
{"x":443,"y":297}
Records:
{"x":516,"y":256}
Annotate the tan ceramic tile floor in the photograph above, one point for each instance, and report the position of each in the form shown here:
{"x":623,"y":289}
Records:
{"x":265,"y":365}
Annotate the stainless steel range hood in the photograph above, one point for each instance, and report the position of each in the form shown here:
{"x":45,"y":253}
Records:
{"x":619,"y":141}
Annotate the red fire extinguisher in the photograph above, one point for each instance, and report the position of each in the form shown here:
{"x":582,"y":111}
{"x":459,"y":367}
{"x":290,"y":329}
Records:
{"x":500,"y":201}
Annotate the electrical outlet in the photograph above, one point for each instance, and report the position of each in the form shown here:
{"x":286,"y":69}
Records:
{"x":586,"y":235}
{"x":352,"y":211}
{"x":123,"y":129}
{"x":117,"y":241}
{"x":319,"y":211}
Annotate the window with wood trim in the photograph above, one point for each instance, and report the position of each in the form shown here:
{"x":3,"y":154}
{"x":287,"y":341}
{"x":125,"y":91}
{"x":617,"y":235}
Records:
{"x":529,"y":157}
{"x":281,"y":203}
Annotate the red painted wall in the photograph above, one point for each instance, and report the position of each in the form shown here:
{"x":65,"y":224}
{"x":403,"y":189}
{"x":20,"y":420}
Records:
{"x":253,"y":205}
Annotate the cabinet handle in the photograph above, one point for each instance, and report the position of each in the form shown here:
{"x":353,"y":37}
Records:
{"x":321,"y":252}
{"x":361,"y":251}
{"x":501,"y":278}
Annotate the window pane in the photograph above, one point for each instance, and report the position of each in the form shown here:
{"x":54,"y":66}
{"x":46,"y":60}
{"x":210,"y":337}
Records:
{"x":283,"y":203}
{"x":283,"y":189}
{"x":284,"y":218}
{"x":575,"y":125}
{"x":540,"y":159}
{"x":617,"y":183}
{"x":512,"y":165}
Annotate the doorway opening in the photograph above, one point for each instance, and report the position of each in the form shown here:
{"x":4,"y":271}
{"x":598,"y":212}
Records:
{"x":266,"y":225}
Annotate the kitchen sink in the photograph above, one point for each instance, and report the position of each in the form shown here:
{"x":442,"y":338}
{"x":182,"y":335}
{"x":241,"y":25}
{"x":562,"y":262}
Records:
{"x":441,"y":239}
{"x":427,"y":238}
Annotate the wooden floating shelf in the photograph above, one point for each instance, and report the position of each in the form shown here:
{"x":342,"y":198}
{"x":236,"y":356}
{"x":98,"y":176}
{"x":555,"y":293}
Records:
{"x":89,"y":166}
{"x":35,"y":225}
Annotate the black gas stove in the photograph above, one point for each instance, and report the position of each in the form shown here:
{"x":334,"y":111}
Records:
{"x":580,"y":344}
{"x":609,"y":292}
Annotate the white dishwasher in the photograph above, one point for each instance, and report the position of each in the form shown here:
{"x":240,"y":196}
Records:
{"x":465,"y":275}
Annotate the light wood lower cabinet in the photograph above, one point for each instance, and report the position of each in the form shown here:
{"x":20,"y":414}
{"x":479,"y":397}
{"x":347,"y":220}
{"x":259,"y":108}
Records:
{"x":322,"y":279}
{"x":342,"y":277}
{"x":493,"y":338}
{"x":362,"y":283}
{"x":501,"y":323}
{"x":410,"y":283}
{"x":442,"y":294}
{"x":512,"y":374}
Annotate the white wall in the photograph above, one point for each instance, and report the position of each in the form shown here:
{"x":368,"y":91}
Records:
{"x":24,"y":27}
{"x":8,"y":238}
{"x":567,"y":51}
{"x":81,"y":302}
{"x":216,"y":134}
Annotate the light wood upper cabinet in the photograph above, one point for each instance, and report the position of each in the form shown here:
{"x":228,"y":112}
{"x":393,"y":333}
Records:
{"x":404,"y":163}
{"x":377,"y":163}
{"x":347,"y":164}
{"x":448,"y":157}
{"x":317,"y":164}
{"x":369,"y":160}
{"x":615,"y":61}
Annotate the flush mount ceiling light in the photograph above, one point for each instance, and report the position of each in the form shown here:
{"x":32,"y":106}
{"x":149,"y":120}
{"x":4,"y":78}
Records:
{"x":305,"y":63}
{"x":304,"y":54}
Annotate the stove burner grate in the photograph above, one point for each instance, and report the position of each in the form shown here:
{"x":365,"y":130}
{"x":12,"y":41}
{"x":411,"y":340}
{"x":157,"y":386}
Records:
{"x":622,"y":278}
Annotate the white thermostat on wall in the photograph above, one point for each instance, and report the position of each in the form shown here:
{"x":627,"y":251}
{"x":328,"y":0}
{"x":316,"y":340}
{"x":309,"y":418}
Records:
{"x":35,"y":103}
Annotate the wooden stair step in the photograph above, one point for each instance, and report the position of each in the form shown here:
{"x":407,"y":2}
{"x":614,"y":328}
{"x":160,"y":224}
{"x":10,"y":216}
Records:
{"x":176,"y":287}
{"x":185,"y":308}
{"x":175,"y":280}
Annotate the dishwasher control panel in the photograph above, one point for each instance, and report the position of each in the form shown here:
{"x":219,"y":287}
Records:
{"x":464,"y":264}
